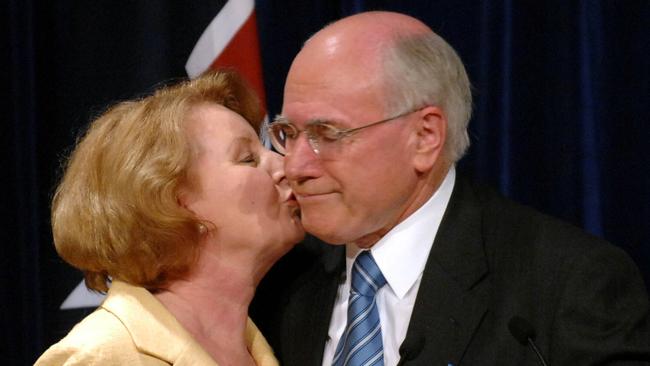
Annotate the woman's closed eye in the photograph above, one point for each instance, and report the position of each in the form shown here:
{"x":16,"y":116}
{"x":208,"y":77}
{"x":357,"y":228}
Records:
{"x":249,"y":159}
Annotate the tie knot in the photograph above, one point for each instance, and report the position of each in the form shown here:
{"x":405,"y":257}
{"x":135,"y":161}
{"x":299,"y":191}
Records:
{"x":366,"y":275}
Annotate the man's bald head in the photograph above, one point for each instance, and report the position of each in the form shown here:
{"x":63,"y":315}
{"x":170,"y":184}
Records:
{"x":372,"y":29}
{"x":397,"y":58}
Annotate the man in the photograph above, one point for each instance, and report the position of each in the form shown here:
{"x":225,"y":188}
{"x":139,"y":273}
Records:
{"x":375,"y":113}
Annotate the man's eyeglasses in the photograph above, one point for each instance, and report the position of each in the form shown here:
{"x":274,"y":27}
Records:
{"x":320,"y":134}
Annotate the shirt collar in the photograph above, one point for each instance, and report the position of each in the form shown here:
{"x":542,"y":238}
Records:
{"x":402,"y":253}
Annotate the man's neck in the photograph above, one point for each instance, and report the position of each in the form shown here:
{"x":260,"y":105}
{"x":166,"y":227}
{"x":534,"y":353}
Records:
{"x":424,"y":190}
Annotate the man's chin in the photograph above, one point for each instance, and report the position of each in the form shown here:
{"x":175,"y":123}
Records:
{"x":330,"y":235}
{"x":330,"y":240}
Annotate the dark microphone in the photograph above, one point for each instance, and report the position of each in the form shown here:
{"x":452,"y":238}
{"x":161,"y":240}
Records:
{"x":524,"y":333}
{"x":410,"y":349}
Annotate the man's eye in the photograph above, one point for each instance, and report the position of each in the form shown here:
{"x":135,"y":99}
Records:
{"x":288,"y":132}
{"x":283,"y":131}
{"x":326,"y":132}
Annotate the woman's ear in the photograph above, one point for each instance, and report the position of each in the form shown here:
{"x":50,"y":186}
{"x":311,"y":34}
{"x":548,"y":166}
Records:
{"x":431,"y":134}
{"x":184,"y":198}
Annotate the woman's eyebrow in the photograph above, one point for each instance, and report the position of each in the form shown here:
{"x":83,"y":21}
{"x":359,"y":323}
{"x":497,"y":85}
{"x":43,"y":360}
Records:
{"x":238,"y":143}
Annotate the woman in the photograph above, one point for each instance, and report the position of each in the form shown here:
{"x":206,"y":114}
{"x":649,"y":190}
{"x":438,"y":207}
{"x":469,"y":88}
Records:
{"x":171,"y":204}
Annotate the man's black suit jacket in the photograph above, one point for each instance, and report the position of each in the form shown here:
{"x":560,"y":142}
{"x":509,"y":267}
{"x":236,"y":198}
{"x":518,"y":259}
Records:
{"x":492,"y":259}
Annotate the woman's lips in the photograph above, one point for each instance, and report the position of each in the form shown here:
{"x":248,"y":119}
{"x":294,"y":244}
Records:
{"x":290,"y":197}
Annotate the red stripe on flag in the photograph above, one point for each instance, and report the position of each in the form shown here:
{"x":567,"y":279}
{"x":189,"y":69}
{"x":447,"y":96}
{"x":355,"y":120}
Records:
{"x":243,"y":55}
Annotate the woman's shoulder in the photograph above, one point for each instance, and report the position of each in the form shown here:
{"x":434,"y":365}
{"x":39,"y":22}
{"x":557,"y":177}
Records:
{"x":100,"y":338}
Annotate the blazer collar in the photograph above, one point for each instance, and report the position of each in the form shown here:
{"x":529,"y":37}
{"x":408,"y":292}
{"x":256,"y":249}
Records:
{"x":458,"y":247}
{"x":156,"y":331}
{"x":453,"y":296}
{"x":316,"y":301}
{"x":153,"y":328}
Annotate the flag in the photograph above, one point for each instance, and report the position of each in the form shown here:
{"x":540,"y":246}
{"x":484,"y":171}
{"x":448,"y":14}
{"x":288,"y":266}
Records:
{"x":231,"y":41}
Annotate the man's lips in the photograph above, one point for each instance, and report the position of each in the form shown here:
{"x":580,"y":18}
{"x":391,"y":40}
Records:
{"x":302,"y":197}
{"x":293,"y":205}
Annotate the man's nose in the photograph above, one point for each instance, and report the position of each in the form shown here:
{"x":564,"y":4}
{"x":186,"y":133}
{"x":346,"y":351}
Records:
{"x":277,"y":168}
{"x":300,"y":161}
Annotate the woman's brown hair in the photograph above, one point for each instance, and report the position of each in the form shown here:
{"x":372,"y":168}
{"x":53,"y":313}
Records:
{"x":115,"y":213}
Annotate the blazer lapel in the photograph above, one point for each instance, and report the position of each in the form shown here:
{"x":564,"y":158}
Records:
{"x":154,"y":330}
{"x":452,"y":299}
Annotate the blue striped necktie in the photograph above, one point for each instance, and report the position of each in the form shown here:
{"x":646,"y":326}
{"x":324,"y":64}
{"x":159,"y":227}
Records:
{"x":361,"y":342}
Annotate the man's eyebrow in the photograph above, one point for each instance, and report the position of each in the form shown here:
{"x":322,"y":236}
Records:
{"x":316,"y":121}
{"x":328,"y":121}
{"x":311,"y":121}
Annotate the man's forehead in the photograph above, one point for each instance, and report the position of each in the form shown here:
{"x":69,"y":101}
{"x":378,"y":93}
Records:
{"x":304,"y":113}
{"x":330,"y":100}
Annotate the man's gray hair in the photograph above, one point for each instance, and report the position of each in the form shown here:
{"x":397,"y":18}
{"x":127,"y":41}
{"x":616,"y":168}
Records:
{"x":425,"y":70}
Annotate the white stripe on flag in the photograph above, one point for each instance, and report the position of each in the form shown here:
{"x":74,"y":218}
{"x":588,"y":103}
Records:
{"x":217,"y":35}
{"x":82,"y":297}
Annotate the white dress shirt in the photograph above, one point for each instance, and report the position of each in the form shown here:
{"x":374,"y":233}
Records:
{"x":401,"y":256}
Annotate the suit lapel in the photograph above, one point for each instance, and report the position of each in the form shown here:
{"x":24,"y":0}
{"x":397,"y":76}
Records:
{"x":452,"y":299}
{"x":311,"y":307}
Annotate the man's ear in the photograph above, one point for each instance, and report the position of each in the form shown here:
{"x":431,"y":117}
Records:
{"x":431,"y":134}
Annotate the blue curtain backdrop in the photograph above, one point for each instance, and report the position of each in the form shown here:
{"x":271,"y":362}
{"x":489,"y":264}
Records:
{"x":562,"y":99}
